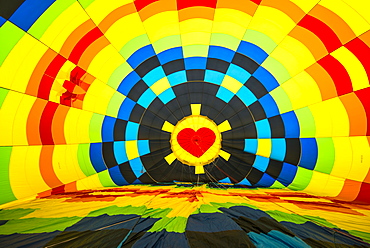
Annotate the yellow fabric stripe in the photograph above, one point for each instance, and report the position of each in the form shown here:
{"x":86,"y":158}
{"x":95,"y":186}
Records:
{"x":168,"y":127}
{"x":224,"y":126}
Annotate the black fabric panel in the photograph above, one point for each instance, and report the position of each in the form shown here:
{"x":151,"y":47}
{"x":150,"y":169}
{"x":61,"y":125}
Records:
{"x":195,"y":75}
{"x":141,"y":227}
{"x":293,"y":151}
{"x":173,"y":106}
{"x":318,"y":236}
{"x":162,"y":111}
{"x":179,"y":113}
{"x":108,"y":154}
{"x":214,"y":169}
{"x":163,"y":172}
{"x":195,"y":87}
{"x":178,"y":171}
{"x":196,"y":97}
{"x":215,"y":230}
{"x":27,"y":240}
{"x":274,"y":168}
{"x":147,"y":66}
{"x":237,"y":104}
{"x":174,"y":66}
{"x":228,"y":111}
{"x":156,"y":106}
{"x":235,"y":144}
{"x":233,"y":238}
{"x":243,"y":132}
{"x":236,"y":169}
{"x":120,"y":130}
{"x":127,"y":172}
{"x":257,"y":111}
{"x":210,"y":89}
{"x":137,"y":90}
{"x":219,"y":118}
{"x":217,"y":65}
{"x":254,"y":176}
{"x":235,"y":121}
{"x":162,"y":239}
{"x":246,"y":159}
{"x":184,"y":100}
{"x":146,"y":178}
{"x":213,"y":107}
{"x":148,"y":133}
{"x":137,"y":113}
{"x":154,"y":157}
{"x":277,"y":127}
{"x":262,"y":225}
{"x":183,"y":106}
{"x":8,"y":7}
{"x":151,"y":120}
{"x":100,"y":231}
{"x":213,"y":113}
{"x":245,"y":62}
{"x":244,"y":115}
{"x":156,"y":145}
{"x":101,"y":238}
{"x":256,"y":87}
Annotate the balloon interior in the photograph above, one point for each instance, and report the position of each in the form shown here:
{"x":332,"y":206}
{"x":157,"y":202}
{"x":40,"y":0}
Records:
{"x":185,"y":123}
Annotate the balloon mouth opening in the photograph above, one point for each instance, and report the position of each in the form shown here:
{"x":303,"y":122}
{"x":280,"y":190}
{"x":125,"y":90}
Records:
{"x":196,"y":141}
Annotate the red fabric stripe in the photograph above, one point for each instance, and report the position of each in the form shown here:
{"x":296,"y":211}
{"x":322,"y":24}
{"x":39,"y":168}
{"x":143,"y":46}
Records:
{"x":364,"y":195}
{"x":362,"y":52}
{"x":84,"y":43}
{"x":45,"y":129}
{"x":140,"y":4}
{"x":182,"y":4}
{"x":338,"y":73}
{"x":323,"y":31}
{"x":258,"y":2}
{"x":76,"y":74}
{"x":364,"y":96}
{"x":49,"y":76}
{"x":58,"y":190}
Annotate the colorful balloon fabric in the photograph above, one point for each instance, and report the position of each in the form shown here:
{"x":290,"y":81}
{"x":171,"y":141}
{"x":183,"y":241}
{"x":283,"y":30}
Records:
{"x":185,"y":123}
{"x":183,"y":216}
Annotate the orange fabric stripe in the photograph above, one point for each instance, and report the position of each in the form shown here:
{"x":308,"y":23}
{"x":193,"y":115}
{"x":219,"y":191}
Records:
{"x":323,"y":80}
{"x":46,"y":167}
{"x":33,"y":122}
{"x":356,"y":114}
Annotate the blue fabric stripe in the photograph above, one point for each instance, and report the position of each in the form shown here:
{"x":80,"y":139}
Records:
{"x":96,"y":157}
{"x":141,"y":55}
{"x":27,"y":14}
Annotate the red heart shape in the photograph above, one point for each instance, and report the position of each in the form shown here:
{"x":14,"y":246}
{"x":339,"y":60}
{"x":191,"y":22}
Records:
{"x":196,"y":142}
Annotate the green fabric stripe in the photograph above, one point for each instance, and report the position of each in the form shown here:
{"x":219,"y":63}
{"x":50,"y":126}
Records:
{"x":37,"y":225}
{"x":225,"y":40}
{"x":167,"y":43}
{"x":173,"y":224}
{"x":11,"y":214}
{"x":326,"y":156}
{"x":105,"y":179}
{"x":302,"y":179}
{"x":47,"y":18}
{"x":3,"y":94}
{"x":133,"y":45}
{"x":85,"y":3}
{"x":83,"y":156}
{"x":13,"y":34}
{"x":6,"y":194}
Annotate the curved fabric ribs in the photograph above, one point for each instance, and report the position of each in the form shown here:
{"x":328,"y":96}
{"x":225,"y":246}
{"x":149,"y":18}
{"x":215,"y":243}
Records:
{"x":267,"y":99}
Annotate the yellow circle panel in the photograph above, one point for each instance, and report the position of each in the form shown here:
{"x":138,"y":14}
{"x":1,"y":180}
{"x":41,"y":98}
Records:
{"x":197,"y":123}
